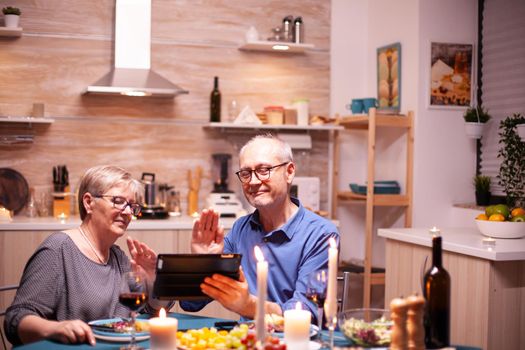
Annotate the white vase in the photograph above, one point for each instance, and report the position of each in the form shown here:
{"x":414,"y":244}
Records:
{"x":474,"y":130}
{"x":521,"y":131}
{"x":11,"y":21}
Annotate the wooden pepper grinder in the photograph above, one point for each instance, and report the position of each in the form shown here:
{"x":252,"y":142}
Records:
{"x":415,"y":328}
{"x":398,"y":313}
{"x":194,"y":184}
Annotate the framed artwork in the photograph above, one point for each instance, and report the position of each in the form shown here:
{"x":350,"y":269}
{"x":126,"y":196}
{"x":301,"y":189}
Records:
{"x":389,"y":78}
{"x":451,"y":75}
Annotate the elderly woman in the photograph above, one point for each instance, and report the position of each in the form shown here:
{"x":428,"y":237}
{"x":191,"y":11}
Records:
{"x":74,"y":276}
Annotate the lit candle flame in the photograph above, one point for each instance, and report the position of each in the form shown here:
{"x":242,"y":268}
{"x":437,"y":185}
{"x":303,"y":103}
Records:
{"x":162,"y":313}
{"x":298,"y":306}
{"x":258,"y":254}
{"x":333,"y":243}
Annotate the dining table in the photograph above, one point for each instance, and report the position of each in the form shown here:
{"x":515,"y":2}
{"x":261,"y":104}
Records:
{"x":185,"y":322}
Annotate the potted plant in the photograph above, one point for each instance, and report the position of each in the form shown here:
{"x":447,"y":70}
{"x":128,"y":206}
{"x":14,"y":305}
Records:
{"x":11,"y":16}
{"x":482,"y":186}
{"x":475,"y":118}
{"x":512,"y":169}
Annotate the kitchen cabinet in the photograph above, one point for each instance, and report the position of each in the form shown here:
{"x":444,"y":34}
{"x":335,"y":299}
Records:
{"x":10,"y":32}
{"x":276,"y":46}
{"x":370,"y":123}
{"x":487,"y":282}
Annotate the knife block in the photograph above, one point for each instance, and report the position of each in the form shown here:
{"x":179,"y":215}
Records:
{"x":61,"y":204}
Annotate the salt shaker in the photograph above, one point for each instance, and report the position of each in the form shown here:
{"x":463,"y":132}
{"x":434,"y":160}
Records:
{"x":415,"y":328}
{"x":298,"y":30}
{"x":287,"y":28}
{"x":398,"y":314}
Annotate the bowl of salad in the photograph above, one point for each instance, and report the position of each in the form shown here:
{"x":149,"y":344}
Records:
{"x":366,"y":327}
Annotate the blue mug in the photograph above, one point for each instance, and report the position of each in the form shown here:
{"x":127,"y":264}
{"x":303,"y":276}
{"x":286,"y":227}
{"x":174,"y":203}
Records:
{"x":369,"y":103}
{"x":356,"y":106}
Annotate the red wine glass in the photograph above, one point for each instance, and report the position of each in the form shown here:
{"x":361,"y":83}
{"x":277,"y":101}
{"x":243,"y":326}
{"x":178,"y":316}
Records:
{"x":133,"y":295}
{"x":316,"y":292}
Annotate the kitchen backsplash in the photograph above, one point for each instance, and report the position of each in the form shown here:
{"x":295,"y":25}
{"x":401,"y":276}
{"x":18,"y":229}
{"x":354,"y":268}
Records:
{"x":60,"y":53}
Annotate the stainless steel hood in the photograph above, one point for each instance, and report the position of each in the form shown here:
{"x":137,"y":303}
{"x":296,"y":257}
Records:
{"x":132,"y":75}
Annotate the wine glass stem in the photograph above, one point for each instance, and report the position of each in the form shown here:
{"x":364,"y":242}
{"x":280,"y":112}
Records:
{"x":319,"y":323}
{"x":132,"y":344}
{"x":331,"y":330}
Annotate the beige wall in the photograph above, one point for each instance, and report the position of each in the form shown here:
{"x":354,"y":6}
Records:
{"x":67,"y":45}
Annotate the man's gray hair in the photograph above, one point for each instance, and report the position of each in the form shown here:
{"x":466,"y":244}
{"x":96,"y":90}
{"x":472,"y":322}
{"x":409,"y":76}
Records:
{"x":285,"y":151}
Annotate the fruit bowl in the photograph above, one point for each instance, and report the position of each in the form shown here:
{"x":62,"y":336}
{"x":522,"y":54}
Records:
{"x":366,"y":327}
{"x":501,"y":229}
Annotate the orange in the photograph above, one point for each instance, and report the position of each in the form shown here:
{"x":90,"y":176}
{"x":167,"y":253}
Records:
{"x":482,"y":217}
{"x":517,"y":212}
{"x":496,"y":217}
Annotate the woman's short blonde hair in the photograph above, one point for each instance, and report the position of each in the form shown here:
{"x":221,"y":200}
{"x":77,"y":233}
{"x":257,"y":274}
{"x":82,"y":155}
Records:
{"x":99,"y":179}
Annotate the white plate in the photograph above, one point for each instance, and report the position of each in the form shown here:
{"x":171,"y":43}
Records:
{"x":313,"y":332}
{"x":313,"y":345}
{"x":116,"y":337}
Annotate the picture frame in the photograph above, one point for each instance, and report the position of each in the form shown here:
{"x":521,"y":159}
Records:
{"x":389,"y":78}
{"x":451,"y":77}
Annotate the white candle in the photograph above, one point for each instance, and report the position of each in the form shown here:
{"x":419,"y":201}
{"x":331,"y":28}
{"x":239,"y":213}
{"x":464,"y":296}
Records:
{"x":262,"y":277}
{"x":330,"y":305}
{"x":297,"y":328}
{"x":163,"y":332}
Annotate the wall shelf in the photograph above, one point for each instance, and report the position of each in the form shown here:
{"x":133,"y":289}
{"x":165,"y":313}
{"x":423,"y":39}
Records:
{"x":231,"y":126}
{"x":28,"y":120}
{"x":276,"y":46}
{"x":10,"y":32}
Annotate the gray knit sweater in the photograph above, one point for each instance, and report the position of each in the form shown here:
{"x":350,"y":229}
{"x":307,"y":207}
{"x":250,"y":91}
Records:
{"x":60,"y":283}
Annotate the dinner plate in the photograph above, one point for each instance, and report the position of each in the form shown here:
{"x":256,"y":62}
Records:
{"x":114,"y":336}
{"x":313,"y":332}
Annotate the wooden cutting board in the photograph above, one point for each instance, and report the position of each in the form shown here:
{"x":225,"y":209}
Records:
{"x":14,"y":191}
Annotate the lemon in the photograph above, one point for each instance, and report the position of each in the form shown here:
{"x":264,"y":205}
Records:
{"x":482,"y":217}
{"x":496,"y":217}
{"x":517,"y":212}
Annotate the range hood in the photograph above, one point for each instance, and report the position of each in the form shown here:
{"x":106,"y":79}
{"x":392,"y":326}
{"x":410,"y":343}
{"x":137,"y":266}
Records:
{"x":132,"y":75}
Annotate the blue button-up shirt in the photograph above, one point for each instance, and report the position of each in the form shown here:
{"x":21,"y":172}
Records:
{"x":293,"y":251}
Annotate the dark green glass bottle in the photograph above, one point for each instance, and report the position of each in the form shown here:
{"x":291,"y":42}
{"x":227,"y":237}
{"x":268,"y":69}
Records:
{"x":215,"y":102}
{"x":437,"y":295}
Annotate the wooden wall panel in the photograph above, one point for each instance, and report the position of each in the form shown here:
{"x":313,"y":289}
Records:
{"x":67,"y":45}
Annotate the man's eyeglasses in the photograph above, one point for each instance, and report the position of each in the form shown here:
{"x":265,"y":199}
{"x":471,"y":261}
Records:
{"x":121,"y":203}
{"x":262,"y":173}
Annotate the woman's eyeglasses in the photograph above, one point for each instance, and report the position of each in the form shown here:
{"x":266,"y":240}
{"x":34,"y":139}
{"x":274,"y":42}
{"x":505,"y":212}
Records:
{"x":121,"y":203}
{"x":262,"y":173}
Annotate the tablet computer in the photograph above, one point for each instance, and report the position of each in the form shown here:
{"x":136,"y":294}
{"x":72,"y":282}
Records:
{"x":179,"y":275}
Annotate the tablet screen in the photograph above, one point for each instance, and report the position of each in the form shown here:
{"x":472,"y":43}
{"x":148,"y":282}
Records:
{"x":179,"y":275}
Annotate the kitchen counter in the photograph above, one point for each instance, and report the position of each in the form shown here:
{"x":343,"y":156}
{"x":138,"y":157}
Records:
{"x":22,"y":223}
{"x":487,"y":282}
{"x":467,"y":241}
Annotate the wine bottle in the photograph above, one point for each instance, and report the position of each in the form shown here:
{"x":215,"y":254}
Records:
{"x":215,"y":102}
{"x":437,"y":295}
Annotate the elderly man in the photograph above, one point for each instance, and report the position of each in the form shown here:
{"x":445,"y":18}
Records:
{"x":293,"y":240}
